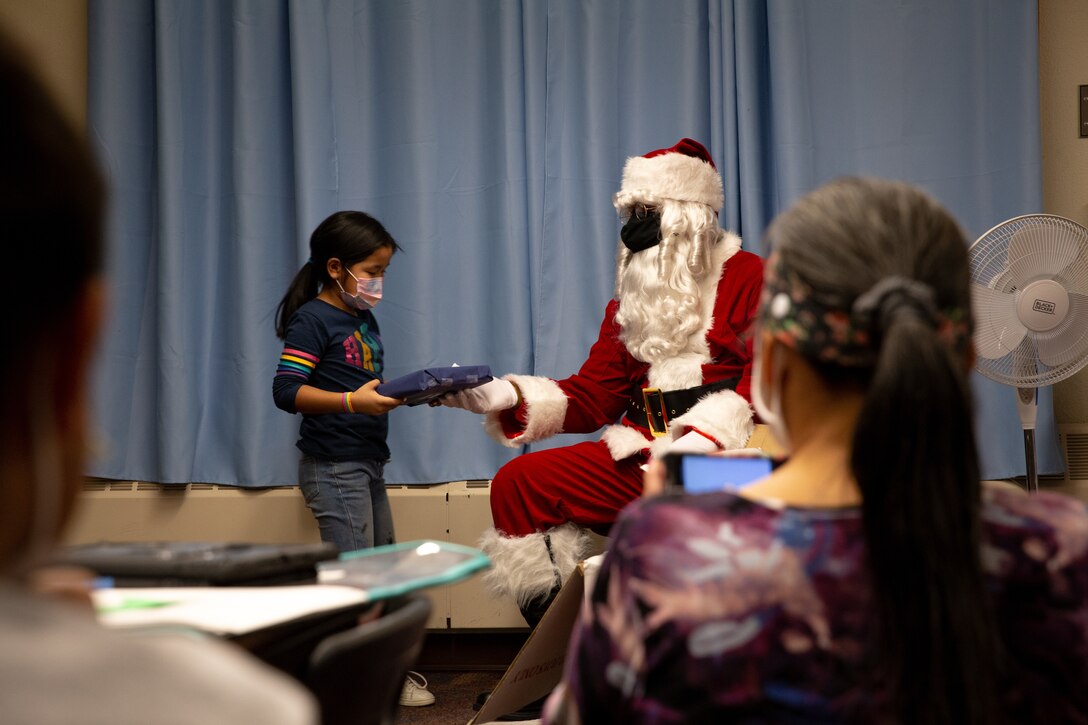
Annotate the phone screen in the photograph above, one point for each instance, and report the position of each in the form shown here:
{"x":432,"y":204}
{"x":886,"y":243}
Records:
{"x":707,"y":474}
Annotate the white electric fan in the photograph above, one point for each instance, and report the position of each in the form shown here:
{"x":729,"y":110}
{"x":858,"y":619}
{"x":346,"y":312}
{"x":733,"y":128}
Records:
{"x":1029,"y":288}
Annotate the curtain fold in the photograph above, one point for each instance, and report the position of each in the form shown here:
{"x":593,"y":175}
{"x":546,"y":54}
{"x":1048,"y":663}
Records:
{"x":488,"y":136}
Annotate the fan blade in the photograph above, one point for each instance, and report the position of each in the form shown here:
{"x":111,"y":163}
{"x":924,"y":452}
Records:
{"x":997,"y":330}
{"x":1076,"y":277}
{"x":1072,"y":343}
{"x":1040,"y":251}
{"x":1024,"y":363}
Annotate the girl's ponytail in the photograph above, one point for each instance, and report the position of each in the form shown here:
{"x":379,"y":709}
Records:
{"x":303,"y":288}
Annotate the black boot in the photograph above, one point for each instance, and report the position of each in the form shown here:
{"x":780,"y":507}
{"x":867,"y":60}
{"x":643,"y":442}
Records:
{"x":534,"y":611}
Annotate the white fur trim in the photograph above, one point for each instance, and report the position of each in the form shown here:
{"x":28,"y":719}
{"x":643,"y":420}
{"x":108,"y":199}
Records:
{"x":546,"y":408}
{"x":624,"y":441}
{"x":724,"y":415}
{"x":590,"y":568}
{"x":660,"y":446}
{"x":679,"y":372}
{"x":726,"y":247}
{"x":686,"y":370}
{"x":673,"y":176}
{"x":521,"y":567}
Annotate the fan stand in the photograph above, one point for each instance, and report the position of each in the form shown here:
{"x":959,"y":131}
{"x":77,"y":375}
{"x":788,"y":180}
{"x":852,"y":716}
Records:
{"x":1029,"y":295}
{"x":1027,"y":405}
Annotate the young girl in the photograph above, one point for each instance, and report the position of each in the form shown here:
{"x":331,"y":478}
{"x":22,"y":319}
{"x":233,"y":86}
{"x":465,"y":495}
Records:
{"x":331,"y":363}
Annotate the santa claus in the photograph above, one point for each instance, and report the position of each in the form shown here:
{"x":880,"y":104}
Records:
{"x":669,"y":372}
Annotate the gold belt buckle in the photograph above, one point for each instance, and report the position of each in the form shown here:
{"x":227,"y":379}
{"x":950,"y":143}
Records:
{"x":654,"y":399}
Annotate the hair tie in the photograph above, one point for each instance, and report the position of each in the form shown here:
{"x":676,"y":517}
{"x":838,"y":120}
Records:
{"x":891,"y":295}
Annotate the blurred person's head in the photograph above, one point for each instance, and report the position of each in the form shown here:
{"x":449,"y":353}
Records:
{"x":866,"y":305}
{"x":51,"y":209}
{"x":867,"y":283}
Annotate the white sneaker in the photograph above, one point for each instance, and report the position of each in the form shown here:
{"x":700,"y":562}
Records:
{"x":415,"y":692}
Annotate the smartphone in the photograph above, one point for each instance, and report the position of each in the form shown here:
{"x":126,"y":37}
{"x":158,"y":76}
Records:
{"x":696,"y":473}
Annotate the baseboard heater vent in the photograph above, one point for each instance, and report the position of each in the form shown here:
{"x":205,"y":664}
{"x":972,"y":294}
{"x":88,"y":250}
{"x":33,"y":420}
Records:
{"x":106,"y":484}
{"x":1074,"y":442}
{"x":109,"y":484}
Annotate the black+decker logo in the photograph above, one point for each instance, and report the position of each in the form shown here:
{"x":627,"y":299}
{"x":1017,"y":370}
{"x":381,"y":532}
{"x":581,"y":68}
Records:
{"x":1043,"y":306}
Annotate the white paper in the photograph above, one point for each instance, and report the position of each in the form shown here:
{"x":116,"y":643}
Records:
{"x":219,"y":610}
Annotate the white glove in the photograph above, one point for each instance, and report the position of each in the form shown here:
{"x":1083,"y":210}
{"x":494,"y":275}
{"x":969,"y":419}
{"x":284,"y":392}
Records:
{"x":492,"y":396}
{"x":692,"y":442}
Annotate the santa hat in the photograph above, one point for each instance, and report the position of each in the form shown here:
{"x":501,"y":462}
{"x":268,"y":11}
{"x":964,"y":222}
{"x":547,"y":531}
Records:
{"x":684,"y":172}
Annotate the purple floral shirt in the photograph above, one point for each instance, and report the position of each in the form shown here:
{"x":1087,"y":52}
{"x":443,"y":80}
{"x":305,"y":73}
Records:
{"x":719,"y":609}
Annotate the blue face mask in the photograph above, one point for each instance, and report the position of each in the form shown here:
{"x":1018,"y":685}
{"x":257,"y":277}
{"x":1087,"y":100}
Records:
{"x":368,"y":292}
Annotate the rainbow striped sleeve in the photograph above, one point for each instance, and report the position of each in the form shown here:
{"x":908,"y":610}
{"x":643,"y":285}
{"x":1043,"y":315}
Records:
{"x":296,"y":363}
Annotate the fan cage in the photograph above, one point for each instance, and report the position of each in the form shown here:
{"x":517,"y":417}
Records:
{"x":990,"y":267}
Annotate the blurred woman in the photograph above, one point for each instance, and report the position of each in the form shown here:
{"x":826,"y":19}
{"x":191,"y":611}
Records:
{"x":871,"y":577}
{"x":56,"y":664}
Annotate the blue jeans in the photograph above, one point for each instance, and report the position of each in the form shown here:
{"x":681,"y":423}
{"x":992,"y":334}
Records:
{"x":349,"y":501}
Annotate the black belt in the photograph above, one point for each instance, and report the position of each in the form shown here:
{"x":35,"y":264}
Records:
{"x":666,"y":406}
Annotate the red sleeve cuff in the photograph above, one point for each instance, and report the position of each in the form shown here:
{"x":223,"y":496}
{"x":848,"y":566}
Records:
{"x":513,"y":420}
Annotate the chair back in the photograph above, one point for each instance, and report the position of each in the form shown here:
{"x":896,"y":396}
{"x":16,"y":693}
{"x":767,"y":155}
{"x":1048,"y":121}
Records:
{"x":357,"y":675}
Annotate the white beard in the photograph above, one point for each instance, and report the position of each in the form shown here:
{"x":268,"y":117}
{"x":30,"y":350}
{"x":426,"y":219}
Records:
{"x":659,"y":300}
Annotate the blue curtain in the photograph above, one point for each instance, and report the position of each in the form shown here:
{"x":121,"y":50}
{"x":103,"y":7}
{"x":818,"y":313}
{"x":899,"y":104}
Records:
{"x":488,"y":136}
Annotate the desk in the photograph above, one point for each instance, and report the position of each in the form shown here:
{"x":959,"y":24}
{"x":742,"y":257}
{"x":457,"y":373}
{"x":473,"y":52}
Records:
{"x":278,"y":624}
{"x":281,"y":624}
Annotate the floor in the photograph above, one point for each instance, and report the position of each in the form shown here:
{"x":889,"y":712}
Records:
{"x":454,"y":692}
{"x":459,"y":666}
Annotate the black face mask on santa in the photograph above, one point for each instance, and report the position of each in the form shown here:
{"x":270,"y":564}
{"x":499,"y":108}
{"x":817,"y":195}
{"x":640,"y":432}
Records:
{"x":641,"y":231}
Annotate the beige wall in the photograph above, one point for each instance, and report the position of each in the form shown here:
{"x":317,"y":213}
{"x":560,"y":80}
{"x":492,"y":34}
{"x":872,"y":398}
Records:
{"x":54,"y":34}
{"x":1063,"y":68}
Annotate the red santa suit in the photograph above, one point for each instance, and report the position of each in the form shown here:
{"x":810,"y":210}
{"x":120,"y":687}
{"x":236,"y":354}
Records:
{"x":589,"y":483}
{"x":541,"y":501}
